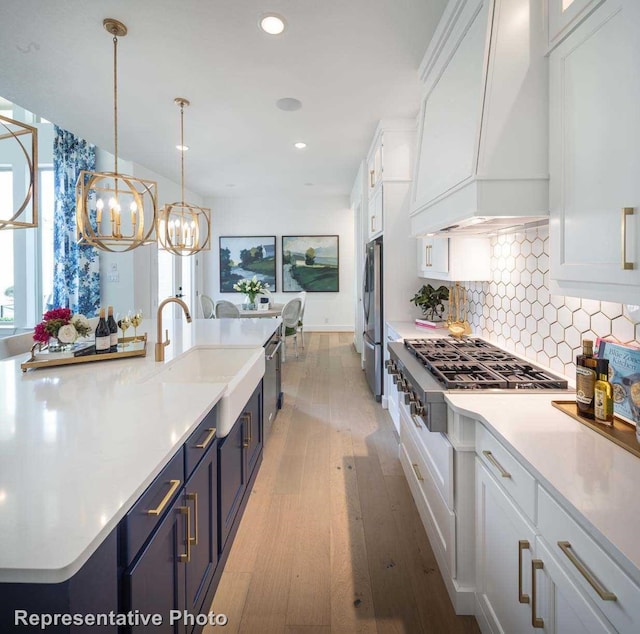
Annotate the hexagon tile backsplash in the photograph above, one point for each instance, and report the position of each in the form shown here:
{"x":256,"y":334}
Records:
{"x":516,"y":311}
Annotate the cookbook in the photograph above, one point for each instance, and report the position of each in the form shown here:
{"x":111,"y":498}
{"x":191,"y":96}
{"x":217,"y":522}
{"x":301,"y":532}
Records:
{"x":624,"y":376}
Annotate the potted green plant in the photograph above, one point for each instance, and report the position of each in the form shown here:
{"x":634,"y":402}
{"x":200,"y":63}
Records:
{"x":430,"y":300}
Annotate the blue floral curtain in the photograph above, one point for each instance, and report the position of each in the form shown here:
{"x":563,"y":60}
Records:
{"x":76,"y":277}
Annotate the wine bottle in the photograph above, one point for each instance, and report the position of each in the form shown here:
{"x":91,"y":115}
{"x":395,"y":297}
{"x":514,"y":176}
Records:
{"x":585,"y":379}
{"x":603,"y":394}
{"x":103,"y":335}
{"x":113,"y":330}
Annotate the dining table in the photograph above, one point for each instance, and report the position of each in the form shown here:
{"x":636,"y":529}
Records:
{"x":275,"y":310}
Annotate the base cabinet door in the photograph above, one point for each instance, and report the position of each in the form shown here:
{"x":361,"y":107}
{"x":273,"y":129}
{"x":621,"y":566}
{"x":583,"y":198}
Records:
{"x":201,"y":496}
{"x":233,"y":478}
{"x":561,"y":606}
{"x":155,"y":583}
{"x":504,"y":543}
{"x":253,"y":418}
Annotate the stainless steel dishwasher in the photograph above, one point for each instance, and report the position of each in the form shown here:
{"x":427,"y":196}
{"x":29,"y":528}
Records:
{"x":272,"y":381}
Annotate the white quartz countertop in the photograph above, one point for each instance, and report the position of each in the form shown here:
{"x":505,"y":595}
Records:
{"x":79,"y":444}
{"x":408,"y":330}
{"x":596,"y":479}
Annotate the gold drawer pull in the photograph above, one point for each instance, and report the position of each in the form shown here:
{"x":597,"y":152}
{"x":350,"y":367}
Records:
{"x":417,"y":472}
{"x":185,"y":557}
{"x":626,"y":212}
{"x":504,"y":473}
{"x":208,"y":439}
{"x":536,"y":621}
{"x":523,"y":544}
{"x":165,"y":500}
{"x":604,"y":594}
{"x":371,"y":180}
{"x":194,"y":497}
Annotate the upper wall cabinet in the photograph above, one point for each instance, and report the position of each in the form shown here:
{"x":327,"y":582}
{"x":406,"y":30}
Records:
{"x":390,"y":160}
{"x":565,"y":15}
{"x":594,"y":158}
{"x":483,"y":126}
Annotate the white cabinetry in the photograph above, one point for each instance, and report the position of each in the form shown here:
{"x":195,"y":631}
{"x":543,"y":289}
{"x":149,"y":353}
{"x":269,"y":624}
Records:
{"x":594,"y":162}
{"x":504,"y":543}
{"x":389,"y":161}
{"x":483,"y":126}
{"x":451,"y":259}
{"x":376,"y":211}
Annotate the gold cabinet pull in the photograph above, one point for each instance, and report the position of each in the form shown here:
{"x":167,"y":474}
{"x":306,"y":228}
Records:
{"x":185,"y":557}
{"x":603,"y":593}
{"x":417,"y":472}
{"x":248,"y":417}
{"x":165,"y":500}
{"x":427,"y":255}
{"x":371,"y":181}
{"x":503,"y":472}
{"x":536,"y":621}
{"x":194,"y":497}
{"x":373,"y":219}
{"x":523,"y":544}
{"x":626,"y":212}
{"x":208,"y":439}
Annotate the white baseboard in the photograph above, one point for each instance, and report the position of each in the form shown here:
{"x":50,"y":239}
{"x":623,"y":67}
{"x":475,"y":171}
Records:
{"x":327,"y":328}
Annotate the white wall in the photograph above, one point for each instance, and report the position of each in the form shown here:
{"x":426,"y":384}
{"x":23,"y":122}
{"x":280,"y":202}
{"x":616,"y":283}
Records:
{"x":133,"y":283}
{"x":321,"y":215}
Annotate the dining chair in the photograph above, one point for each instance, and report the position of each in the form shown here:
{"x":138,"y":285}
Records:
{"x":290,"y":319}
{"x":208,"y":307}
{"x":303,"y":297}
{"x":225,"y":308}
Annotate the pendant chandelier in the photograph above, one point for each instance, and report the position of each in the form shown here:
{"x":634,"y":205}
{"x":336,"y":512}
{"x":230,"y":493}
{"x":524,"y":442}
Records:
{"x":25,"y":215}
{"x":115,"y":212}
{"x":184,"y":229}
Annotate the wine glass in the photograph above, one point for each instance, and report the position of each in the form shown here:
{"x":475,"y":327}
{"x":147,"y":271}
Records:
{"x":136,"y":318}
{"x":124,"y":321}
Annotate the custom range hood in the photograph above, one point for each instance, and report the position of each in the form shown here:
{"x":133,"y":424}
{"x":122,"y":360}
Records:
{"x":482,"y":155}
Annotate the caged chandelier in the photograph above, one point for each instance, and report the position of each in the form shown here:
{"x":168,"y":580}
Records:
{"x":24,"y":214}
{"x":115,"y":212}
{"x":184,"y":229}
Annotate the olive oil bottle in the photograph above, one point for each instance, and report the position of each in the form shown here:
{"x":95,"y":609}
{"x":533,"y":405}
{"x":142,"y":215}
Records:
{"x":603,"y":394}
{"x":586,"y":379}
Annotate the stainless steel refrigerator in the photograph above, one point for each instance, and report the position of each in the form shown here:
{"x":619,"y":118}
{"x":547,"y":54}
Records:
{"x":373,"y":318}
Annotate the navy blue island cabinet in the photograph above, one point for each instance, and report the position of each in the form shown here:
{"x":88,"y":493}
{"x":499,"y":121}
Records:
{"x":167,"y":554}
{"x":239,"y":453}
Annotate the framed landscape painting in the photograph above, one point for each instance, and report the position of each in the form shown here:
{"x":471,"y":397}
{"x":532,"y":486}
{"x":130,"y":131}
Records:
{"x":310,"y":263}
{"x":242,"y":257}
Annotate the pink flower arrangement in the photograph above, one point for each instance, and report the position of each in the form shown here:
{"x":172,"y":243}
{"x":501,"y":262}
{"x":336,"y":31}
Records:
{"x":55,"y":319}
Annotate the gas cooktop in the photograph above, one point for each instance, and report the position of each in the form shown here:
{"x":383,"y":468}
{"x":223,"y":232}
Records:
{"x":475,"y":364}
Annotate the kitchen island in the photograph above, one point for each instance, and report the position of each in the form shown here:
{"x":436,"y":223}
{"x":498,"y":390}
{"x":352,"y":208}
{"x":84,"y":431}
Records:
{"x":80,"y":444}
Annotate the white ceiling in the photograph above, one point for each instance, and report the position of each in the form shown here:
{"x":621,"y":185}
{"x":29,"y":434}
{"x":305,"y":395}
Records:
{"x":350,"y":62}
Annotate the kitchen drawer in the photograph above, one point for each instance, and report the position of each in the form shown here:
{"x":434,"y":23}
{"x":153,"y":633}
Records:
{"x":515,"y":479}
{"x":436,"y":450}
{"x":438,"y":519}
{"x":147,"y":512}
{"x":202,"y":439}
{"x":557,"y":527}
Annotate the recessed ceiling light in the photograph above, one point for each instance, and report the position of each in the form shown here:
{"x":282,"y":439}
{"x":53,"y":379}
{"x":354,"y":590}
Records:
{"x":272,"y":23}
{"x":182,"y":148}
{"x":289,"y":103}
{"x":300,"y":145}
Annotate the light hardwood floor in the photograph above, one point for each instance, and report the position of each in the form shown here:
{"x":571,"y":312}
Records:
{"x":331,"y":540}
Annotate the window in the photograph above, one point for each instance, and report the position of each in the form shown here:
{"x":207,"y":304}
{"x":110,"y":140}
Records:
{"x":47,"y":206}
{"x":6,"y":250}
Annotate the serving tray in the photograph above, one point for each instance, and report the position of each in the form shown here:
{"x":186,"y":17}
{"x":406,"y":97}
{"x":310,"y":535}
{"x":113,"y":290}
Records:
{"x":622,"y":433}
{"x":135,"y":349}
